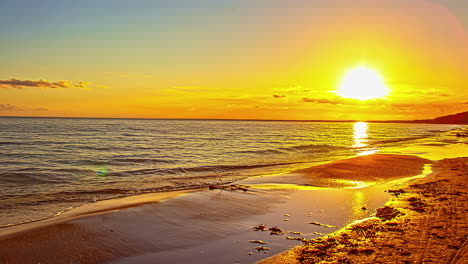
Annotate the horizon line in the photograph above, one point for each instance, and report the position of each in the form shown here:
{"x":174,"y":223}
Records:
{"x":223,"y":119}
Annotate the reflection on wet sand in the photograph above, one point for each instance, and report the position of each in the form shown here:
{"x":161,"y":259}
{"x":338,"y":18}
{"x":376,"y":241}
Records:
{"x":358,"y":211}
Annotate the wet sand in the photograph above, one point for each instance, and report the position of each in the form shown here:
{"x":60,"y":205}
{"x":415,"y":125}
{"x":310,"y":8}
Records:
{"x":425,"y":222}
{"x":354,"y":172}
{"x":211,"y":226}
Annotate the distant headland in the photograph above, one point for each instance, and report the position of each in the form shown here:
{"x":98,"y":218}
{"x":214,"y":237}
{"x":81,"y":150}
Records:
{"x":460,"y":118}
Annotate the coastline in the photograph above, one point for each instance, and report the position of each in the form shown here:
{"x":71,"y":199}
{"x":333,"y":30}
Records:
{"x":451,"y":165}
{"x":44,"y":184}
{"x":87,"y":210}
{"x":424,"y":222}
{"x":219,"y":220}
{"x":164,"y":229}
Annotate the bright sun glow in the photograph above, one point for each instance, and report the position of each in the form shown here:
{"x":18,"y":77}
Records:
{"x":362,"y":83}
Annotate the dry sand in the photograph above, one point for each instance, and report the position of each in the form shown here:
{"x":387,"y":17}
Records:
{"x":427,"y":222}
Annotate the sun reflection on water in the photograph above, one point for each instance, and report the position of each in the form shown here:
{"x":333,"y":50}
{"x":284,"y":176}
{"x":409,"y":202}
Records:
{"x":360,"y":134}
{"x":360,"y":137}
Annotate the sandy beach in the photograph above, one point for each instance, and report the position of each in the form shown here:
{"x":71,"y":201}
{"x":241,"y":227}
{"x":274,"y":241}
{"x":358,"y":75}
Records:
{"x":426,"y":222}
{"x":267,"y":215}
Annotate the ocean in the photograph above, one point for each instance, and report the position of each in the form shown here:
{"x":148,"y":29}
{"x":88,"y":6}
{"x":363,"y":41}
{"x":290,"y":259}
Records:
{"x":51,"y":165}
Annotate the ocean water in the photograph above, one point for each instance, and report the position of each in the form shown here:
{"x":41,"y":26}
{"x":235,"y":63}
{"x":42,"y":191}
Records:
{"x":50,"y":165}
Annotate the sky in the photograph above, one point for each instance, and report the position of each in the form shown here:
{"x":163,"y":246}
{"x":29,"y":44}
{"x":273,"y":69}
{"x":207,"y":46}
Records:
{"x":231,"y":59}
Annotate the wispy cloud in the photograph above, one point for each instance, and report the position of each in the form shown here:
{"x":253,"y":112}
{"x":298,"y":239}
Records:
{"x":193,"y":89}
{"x":18,"y":84}
{"x":345,"y":101}
{"x":322,"y":101}
{"x":402,"y":105}
{"x":9,"y":107}
{"x":82,"y":84}
{"x":278,"y":96}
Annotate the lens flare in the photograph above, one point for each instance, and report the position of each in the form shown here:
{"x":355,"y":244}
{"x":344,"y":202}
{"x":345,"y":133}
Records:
{"x":101,"y":172}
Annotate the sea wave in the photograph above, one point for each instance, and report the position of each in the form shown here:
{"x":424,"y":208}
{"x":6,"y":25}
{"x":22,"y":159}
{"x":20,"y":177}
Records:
{"x":118,"y":161}
{"x":396,"y":140}
{"x":13,"y":201}
{"x":311,"y":148}
{"x":11,"y":143}
{"x":196,"y":169}
{"x":27,"y":178}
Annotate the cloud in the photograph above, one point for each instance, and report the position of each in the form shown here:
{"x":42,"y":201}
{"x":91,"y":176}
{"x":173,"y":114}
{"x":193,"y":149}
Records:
{"x":345,"y":101}
{"x":82,"y":84}
{"x":427,"y":90}
{"x":9,"y":107}
{"x":291,"y":89}
{"x":193,"y":89}
{"x":18,"y":84}
{"x":402,"y":105}
{"x":322,"y":101}
{"x":278,"y":96}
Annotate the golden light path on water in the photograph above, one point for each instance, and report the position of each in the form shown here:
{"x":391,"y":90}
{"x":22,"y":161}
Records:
{"x":360,"y":134}
{"x":360,"y":137}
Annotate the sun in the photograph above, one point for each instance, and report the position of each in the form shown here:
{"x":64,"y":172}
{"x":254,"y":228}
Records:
{"x":362,"y":83}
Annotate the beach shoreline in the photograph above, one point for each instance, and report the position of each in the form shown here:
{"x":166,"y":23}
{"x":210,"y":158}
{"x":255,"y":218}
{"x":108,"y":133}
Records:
{"x":93,"y":209}
{"x":424,"y":222}
{"x":184,"y":221}
{"x":197,"y":225}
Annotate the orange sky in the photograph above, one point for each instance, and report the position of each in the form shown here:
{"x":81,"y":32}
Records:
{"x":244,"y":60}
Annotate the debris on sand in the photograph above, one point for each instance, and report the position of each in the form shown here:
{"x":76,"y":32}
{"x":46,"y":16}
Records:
{"x":417,"y":204}
{"x":296,"y":238}
{"x":276,"y":231}
{"x":340,"y":247}
{"x":294,"y":232}
{"x":319,"y":224}
{"x":260,"y":227}
{"x":366,"y":251}
{"x":258,"y":242}
{"x":387,"y":213}
{"x":396,"y":192}
{"x":261,"y":249}
{"x":232,"y":187}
